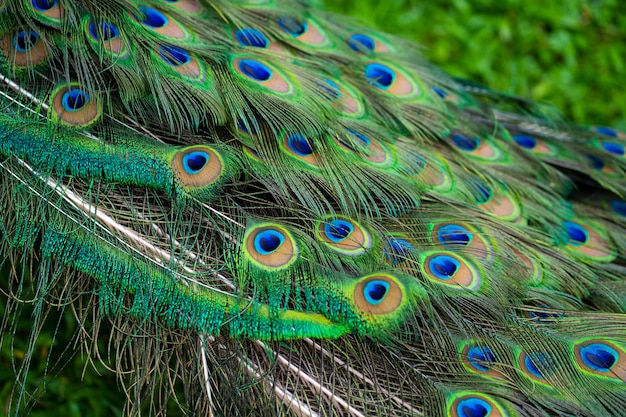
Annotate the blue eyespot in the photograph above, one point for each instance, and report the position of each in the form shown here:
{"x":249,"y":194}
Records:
{"x":619,"y":206}
{"x":606,"y":131}
{"x":44,"y":5}
{"x":366,"y":141}
{"x":483,"y":192}
{"x":174,"y":55}
{"x":576,"y":233}
{"x":612,"y":147}
{"x":251,"y":37}
{"x":103,"y":31}
{"x":195,"y":161}
{"x":299,"y":145}
{"x":25,"y":40}
{"x":400,"y":250}
{"x":454,"y":236}
{"x":481,"y":358}
{"x":268,"y":241}
{"x":535,"y":362}
{"x":443,"y":267}
{"x":331,"y":89}
{"x":596,"y":162}
{"x":440,"y":92}
{"x":152,"y":17}
{"x":74,"y":99}
{"x":465,"y":143}
{"x":338,"y":230}
{"x":359,"y":42}
{"x":599,"y":357}
{"x":473,"y":407}
{"x":375,"y":291}
{"x":379,"y":75}
{"x":524,"y":141}
{"x":292,"y":26}
{"x":255,"y":70}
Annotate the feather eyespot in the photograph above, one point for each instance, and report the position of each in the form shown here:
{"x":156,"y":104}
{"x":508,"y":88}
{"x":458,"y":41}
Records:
{"x":270,"y":246}
{"x":400,"y":250}
{"x":304,"y":31}
{"x":607,"y":131}
{"x":391,"y":80}
{"x":189,"y":6}
{"x":601,"y":358}
{"x":263,"y":74}
{"x":161,"y":23}
{"x":343,"y":97}
{"x":344,"y":235}
{"x":614,"y":148}
{"x":73,"y":105}
{"x":532,"y":144}
{"x":366,"y":44}
{"x":378,"y":294}
{"x":535,"y":365}
{"x":451,"y":270}
{"x":298,"y":146}
{"x":103,"y":34}
{"x":481,"y":360}
{"x":181,"y":61}
{"x":251,"y":37}
{"x":24,"y":48}
{"x":197,"y":166}
{"x":44,"y":5}
{"x":474,"y":405}
{"x":367,"y":148}
{"x":619,"y":207}
{"x":589,"y":240}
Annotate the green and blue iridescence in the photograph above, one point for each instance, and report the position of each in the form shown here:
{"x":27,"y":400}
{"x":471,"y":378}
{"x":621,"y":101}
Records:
{"x":536,"y":364}
{"x":465,"y":143}
{"x":483,"y":192}
{"x":614,"y":148}
{"x":375,"y":291}
{"x":44,"y":5}
{"x":292,"y":26}
{"x":473,"y":407}
{"x":619,"y":206}
{"x":251,"y":37}
{"x":152,"y":18}
{"x":255,"y":70}
{"x":25,"y":40}
{"x":576,"y":233}
{"x":268,"y":241}
{"x":173,"y":55}
{"x":454,"y":236}
{"x":481,"y":358}
{"x":525,"y":141}
{"x":599,"y":357}
{"x":195,"y":161}
{"x":338,"y":230}
{"x":331,"y":89}
{"x":75,"y":99}
{"x":443,"y":266}
{"x":298,"y":144}
{"x":379,"y":75}
{"x":360,"y":42}
{"x":401,"y":250}
{"x":103,"y":31}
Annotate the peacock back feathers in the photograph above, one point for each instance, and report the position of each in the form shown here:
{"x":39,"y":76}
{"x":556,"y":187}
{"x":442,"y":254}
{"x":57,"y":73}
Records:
{"x":287,"y":213}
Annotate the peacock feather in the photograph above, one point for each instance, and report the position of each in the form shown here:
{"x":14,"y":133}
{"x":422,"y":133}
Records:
{"x":286,"y":213}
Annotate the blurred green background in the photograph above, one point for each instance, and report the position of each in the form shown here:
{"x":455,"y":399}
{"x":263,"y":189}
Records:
{"x":570,"y":54}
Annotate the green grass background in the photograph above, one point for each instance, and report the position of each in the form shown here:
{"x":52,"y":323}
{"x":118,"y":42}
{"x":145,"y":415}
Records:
{"x":571,"y":54}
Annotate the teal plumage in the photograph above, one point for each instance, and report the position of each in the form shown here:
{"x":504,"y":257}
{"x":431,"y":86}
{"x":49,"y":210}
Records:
{"x":285,"y":213}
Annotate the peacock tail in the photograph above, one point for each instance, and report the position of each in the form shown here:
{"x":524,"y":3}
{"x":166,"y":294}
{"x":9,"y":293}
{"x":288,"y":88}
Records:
{"x":286,"y":213}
